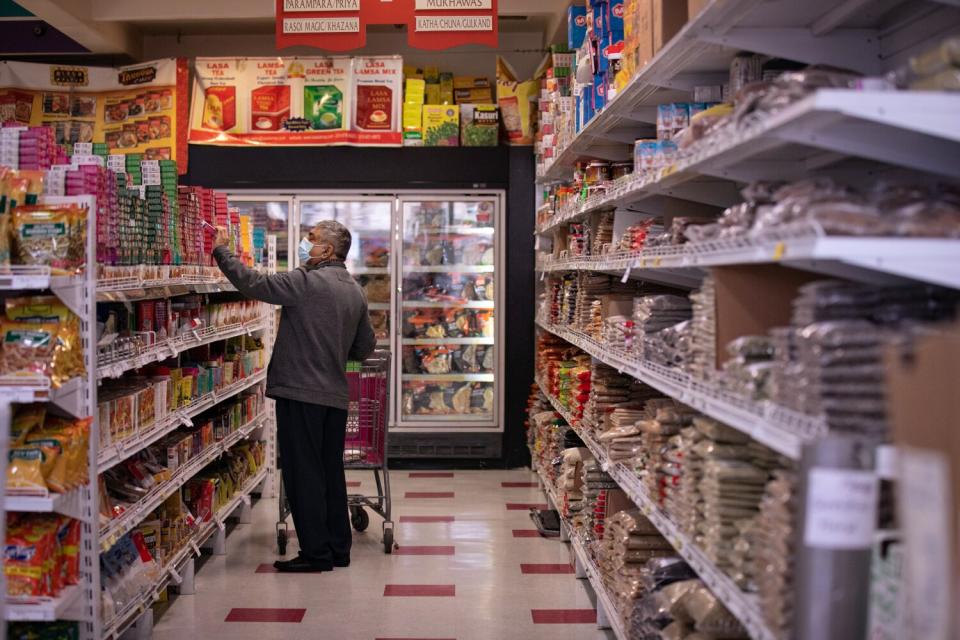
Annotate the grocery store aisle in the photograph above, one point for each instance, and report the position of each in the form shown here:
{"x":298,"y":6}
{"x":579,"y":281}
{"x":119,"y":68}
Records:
{"x":466,"y":569}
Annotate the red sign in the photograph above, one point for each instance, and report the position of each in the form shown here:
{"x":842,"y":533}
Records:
{"x":341,"y":25}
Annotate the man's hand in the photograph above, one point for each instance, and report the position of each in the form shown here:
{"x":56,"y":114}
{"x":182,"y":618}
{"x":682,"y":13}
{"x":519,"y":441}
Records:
{"x":223,"y":238}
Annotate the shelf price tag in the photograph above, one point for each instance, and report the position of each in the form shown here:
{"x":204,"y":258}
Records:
{"x":779,"y":250}
{"x":195,"y":546}
{"x":626,"y":274}
{"x":174,"y":575}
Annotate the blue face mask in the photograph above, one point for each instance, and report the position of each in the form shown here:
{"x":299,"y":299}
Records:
{"x":303,"y":251}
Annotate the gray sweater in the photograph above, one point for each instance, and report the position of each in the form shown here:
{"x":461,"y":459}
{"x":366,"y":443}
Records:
{"x":323,"y":324}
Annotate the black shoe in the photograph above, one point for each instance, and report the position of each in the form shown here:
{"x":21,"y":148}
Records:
{"x":341,"y":562}
{"x":303,"y":565}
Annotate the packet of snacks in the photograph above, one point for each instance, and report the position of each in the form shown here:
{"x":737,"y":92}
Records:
{"x":30,"y":554}
{"x":40,"y":335}
{"x":53,"y":236}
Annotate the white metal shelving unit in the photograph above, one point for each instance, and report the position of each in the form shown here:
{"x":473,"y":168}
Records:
{"x":857,"y":137}
{"x":742,"y":605}
{"x":77,"y":397}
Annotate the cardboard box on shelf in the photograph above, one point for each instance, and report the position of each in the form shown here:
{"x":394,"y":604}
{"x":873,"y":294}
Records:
{"x":737,"y":291}
{"x":924,"y":409}
{"x":695,"y":6}
{"x":669,"y":16}
{"x":441,"y":125}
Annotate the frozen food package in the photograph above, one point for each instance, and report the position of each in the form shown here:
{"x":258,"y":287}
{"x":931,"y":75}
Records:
{"x":377,"y":93}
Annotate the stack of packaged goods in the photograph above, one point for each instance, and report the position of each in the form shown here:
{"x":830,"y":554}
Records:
{"x":47,"y":453}
{"x":41,"y":337}
{"x":622,"y":437}
{"x":775,"y":551}
{"x":213,"y":488}
{"x":603,"y":235}
{"x":678,"y":605}
{"x":30,"y":148}
{"x":570,"y":485}
{"x":597,"y":486}
{"x":573,"y":384}
{"x":440,"y":110}
{"x":665,"y":418}
{"x":611,"y":391}
{"x":41,"y":554}
{"x":557,"y":108}
{"x":551,"y":351}
{"x":653,"y":314}
{"x":629,"y":542}
{"x":127,"y":573}
{"x":703,"y":331}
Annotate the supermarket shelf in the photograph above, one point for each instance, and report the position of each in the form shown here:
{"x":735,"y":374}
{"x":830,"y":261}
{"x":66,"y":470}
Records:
{"x":781,"y":429}
{"x":742,"y":605}
{"x":37,"y":388}
{"x":115,"y":453}
{"x":450,"y":377}
{"x":429,"y":341}
{"x":29,"y":609}
{"x":168,"y":291}
{"x":813,"y":32}
{"x":452,"y":230}
{"x":135,"y":286}
{"x":483,"y":268}
{"x":68,"y":504}
{"x":432,"y":304}
{"x":114,"y":368}
{"x":612,"y":614}
{"x":170,"y":573}
{"x":370,"y":271}
{"x":802,"y":246}
{"x":129,"y":519}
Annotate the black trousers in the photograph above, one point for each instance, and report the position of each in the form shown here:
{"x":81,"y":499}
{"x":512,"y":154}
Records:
{"x":310,"y":437}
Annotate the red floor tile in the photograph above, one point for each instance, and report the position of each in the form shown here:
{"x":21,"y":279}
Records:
{"x":265,"y":615}
{"x":353,"y":483}
{"x":524,"y":506}
{"x":428,"y":494}
{"x":426,"y":519}
{"x":431,"y":474}
{"x":519,"y":485}
{"x":526,"y":533}
{"x":543,"y":569}
{"x":425,"y":551}
{"x":428,"y":590}
{"x":564,"y":616}
{"x":266,"y":568}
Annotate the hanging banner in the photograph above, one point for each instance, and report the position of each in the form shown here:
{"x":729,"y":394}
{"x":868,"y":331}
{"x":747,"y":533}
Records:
{"x":341,"y":25}
{"x":297,"y":101}
{"x":133,"y":109}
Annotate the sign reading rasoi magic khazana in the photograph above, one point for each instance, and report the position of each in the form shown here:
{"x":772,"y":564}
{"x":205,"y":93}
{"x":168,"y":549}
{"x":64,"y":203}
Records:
{"x":341,"y":25}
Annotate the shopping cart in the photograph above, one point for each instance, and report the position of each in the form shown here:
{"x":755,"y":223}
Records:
{"x":365,"y":447}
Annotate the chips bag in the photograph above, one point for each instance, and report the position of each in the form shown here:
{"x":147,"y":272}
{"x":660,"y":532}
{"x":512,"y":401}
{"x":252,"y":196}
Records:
{"x":53,"y":236}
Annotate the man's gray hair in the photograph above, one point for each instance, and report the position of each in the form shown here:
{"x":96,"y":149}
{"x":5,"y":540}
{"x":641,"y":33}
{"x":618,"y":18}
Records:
{"x":337,"y":235}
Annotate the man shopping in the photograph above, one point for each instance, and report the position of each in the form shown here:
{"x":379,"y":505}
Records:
{"x":323,"y":323}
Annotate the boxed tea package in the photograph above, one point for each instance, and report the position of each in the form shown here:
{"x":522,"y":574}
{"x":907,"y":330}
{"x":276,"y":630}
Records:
{"x":479,"y":125}
{"x":326,"y":93}
{"x":377,"y":93}
{"x":441,"y":125}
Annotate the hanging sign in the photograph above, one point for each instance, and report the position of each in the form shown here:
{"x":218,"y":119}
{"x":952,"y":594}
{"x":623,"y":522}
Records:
{"x":137,"y":109}
{"x":297,"y":101}
{"x":341,"y":25}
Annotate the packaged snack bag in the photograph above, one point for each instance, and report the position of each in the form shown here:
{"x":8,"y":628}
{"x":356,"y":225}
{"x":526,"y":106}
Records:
{"x":53,"y":236}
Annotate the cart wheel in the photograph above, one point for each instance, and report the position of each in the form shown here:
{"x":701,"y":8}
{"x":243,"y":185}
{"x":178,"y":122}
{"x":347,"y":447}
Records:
{"x":360,"y":519}
{"x":388,"y":541}
{"x":282,"y":541}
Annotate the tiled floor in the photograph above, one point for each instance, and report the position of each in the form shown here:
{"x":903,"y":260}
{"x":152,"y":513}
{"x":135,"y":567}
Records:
{"x":471,"y":572}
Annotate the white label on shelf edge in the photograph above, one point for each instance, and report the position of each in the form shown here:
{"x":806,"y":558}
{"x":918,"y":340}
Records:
{"x":841,"y":509}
